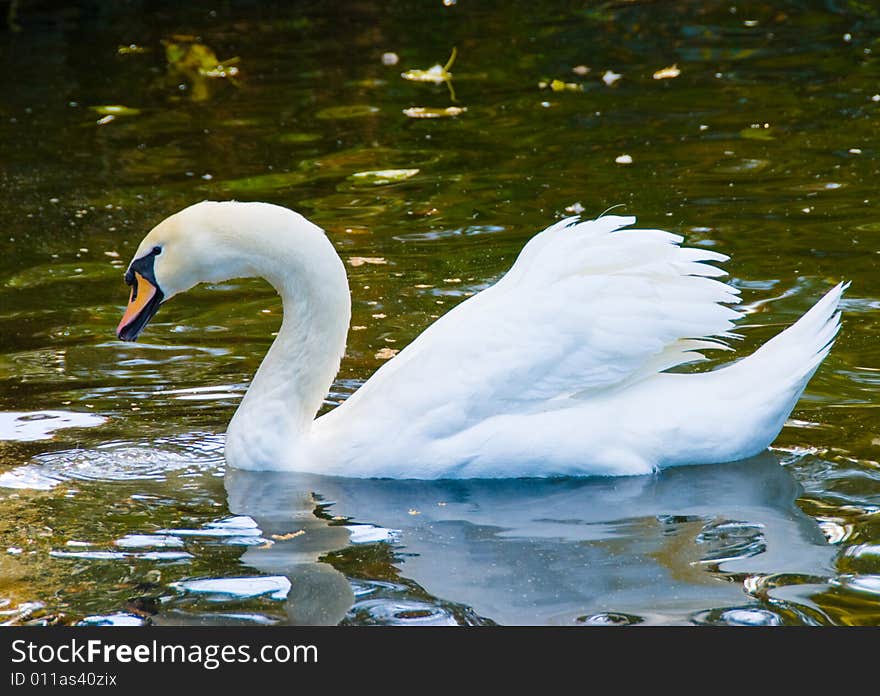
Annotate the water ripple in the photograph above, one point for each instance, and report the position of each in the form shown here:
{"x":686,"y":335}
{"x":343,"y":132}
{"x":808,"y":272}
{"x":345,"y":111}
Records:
{"x":120,"y":461}
{"x":124,"y":555}
{"x":118,"y":619}
{"x":729,"y":540}
{"x":364,"y":588}
{"x":239,"y":530}
{"x":223,"y":589}
{"x":610,"y":618}
{"x":149,"y":541}
{"x":389,"y":612}
{"x":738,"y":616}
{"x":370,"y":534}
{"x":432,"y":235}
{"x":382,"y":603}
{"x":186,"y":618}
{"x":864,"y":584}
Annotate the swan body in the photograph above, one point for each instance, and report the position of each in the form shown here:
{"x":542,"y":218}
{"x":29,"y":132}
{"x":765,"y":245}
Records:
{"x":558,"y":369}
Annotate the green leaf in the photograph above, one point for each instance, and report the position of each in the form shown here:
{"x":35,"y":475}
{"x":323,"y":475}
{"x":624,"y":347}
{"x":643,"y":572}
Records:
{"x":380,"y":177}
{"x":115,"y":110}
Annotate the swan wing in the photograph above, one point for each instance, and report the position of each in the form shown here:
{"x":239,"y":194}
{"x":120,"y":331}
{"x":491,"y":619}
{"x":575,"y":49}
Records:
{"x":588,"y":306}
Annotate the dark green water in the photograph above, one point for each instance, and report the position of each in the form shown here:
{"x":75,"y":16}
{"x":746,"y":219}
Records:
{"x":764,"y":147}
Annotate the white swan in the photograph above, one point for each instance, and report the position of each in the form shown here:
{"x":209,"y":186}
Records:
{"x":557,"y":369}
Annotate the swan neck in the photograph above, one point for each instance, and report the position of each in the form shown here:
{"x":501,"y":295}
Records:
{"x":270,"y":428}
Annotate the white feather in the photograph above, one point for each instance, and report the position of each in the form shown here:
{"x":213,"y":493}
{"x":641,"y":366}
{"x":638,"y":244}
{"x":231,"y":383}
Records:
{"x":560,"y":368}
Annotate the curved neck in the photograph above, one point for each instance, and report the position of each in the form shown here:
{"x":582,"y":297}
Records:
{"x":269,"y":427}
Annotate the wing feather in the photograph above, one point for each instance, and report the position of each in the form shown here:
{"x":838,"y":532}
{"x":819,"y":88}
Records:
{"x":587,"y":306}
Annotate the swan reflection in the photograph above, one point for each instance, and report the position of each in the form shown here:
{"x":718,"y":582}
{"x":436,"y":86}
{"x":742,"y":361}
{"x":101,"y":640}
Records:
{"x":529,"y":551}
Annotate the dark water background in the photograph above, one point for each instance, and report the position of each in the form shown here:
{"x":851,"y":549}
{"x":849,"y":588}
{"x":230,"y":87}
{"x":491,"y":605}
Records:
{"x":764,"y":147}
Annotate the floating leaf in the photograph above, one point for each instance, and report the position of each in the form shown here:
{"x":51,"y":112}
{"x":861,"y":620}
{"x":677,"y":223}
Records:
{"x":624,"y":159}
{"x":350,"y":111}
{"x":371,"y":260}
{"x":436,"y":73}
{"x":667,"y":73}
{"x":610,"y":77}
{"x":560,"y":86}
{"x":428,"y":112}
{"x":383,"y":176}
{"x":386,"y":354}
{"x":115,"y":110}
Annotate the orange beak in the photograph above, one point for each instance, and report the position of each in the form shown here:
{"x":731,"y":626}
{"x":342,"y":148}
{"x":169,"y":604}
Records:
{"x":142,"y":293}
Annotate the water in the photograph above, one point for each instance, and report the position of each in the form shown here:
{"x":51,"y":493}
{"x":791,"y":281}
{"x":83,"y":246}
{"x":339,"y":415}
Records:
{"x":115,"y":507}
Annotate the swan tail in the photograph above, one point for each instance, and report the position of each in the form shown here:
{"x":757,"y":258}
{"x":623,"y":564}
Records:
{"x":783,"y":366}
{"x":750,"y":400}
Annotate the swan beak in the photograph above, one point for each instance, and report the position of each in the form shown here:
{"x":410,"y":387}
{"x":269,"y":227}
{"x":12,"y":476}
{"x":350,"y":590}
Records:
{"x":142,"y":306}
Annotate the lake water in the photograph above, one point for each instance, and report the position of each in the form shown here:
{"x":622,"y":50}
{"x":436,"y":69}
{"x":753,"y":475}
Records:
{"x":748,"y":127}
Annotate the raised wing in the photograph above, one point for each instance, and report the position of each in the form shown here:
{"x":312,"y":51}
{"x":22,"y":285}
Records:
{"x":587,"y":307}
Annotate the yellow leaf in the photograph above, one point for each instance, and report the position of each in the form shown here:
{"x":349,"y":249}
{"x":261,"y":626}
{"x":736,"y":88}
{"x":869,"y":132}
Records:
{"x":610,"y":77}
{"x":436,"y":73}
{"x":383,"y":176}
{"x":386,"y":353}
{"x":667,"y":73}
{"x":371,"y":260}
{"x":115,"y":110}
{"x":427,"y":112}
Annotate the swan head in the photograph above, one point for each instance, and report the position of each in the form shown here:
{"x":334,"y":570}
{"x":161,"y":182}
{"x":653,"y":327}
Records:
{"x":211,"y":242}
{"x":177,"y":254}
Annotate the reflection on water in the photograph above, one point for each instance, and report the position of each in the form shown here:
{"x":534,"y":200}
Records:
{"x":530,"y":551}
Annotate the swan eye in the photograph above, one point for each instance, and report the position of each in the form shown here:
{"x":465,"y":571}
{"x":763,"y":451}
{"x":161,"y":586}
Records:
{"x":157,"y":250}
